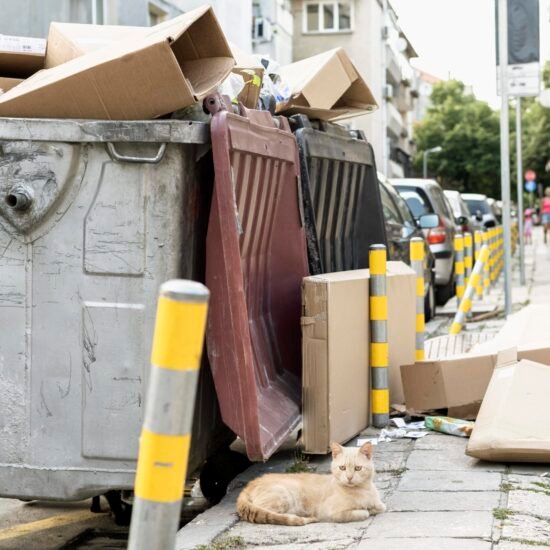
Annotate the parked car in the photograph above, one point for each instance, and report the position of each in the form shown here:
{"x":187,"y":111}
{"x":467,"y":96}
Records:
{"x":496,"y":208}
{"x":461,"y":213}
{"x":426,"y":197}
{"x":480,"y":209}
{"x":401,"y":227}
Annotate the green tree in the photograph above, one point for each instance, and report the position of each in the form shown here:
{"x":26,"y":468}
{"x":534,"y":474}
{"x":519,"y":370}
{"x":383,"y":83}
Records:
{"x":468,"y":131}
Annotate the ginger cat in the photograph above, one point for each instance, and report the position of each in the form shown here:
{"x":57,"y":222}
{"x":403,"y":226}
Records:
{"x":347,"y":495}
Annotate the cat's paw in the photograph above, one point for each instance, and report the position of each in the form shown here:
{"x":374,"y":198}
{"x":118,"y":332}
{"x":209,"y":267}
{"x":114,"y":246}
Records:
{"x":378,"y":508}
{"x":360,"y":515}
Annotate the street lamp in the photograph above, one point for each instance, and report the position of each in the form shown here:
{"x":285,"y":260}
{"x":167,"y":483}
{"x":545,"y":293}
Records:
{"x":437,"y":149}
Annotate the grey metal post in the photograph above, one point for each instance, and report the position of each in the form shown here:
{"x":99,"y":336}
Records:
{"x":165,"y":437}
{"x":425,"y":165}
{"x":384,"y":106}
{"x":505,"y":151}
{"x":519,"y":157}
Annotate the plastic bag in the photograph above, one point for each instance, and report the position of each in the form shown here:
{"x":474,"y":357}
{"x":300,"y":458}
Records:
{"x":451,"y":426}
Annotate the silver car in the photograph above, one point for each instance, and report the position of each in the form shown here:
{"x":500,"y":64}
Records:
{"x":426,"y":197}
{"x":480,"y":209}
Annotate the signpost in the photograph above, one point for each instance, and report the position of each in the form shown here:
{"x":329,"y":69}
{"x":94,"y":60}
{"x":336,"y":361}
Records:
{"x":518,"y":44}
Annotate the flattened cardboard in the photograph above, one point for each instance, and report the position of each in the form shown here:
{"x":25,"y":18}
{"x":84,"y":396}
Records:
{"x":459,"y":383}
{"x":21,"y":56}
{"x":9,"y":83}
{"x":513,"y":424}
{"x":327,"y":86}
{"x":335,"y":351}
{"x":172,"y":66}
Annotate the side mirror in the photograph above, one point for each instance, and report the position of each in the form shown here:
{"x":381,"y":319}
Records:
{"x":428,"y":221}
{"x":462,"y":220}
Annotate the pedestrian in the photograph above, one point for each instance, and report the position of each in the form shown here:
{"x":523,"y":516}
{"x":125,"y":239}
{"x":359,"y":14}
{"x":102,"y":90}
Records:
{"x":528,"y":225}
{"x":546,"y":213}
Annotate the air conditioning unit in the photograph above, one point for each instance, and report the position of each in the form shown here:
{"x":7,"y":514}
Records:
{"x":388,"y":91}
{"x":261,"y":29}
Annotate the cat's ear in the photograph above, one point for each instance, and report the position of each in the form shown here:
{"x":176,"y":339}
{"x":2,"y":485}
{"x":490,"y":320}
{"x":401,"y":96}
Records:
{"x":336,"y":449}
{"x":366,"y":449}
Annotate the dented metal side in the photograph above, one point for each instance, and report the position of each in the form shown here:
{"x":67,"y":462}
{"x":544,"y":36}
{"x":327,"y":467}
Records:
{"x":342,"y":205}
{"x":80,"y":266}
{"x":256,"y":259}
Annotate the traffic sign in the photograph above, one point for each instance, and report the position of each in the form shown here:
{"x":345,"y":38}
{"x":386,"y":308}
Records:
{"x":530,"y":186}
{"x":530,"y":175}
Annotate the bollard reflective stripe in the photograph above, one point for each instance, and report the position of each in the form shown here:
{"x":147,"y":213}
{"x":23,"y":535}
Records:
{"x":465,"y":305}
{"x":486,"y":272}
{"x":165,"y":437}
{"x":478,"y":243}
{"x":468,"y":263}
{"x":459,"y":265}
{"x":379,"y":350}
{"x":417,"y":263}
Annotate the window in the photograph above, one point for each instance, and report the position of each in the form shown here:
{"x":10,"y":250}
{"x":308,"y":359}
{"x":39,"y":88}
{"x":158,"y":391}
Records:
{"x":327,"y":17}
{"x":156,"y":14}
{"x":416,"y":200}
{"x":391,"y":214}
{"x":404,"y":210}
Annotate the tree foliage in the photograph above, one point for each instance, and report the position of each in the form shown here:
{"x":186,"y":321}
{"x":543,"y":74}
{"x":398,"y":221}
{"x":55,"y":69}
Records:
{"x":468,"y":131}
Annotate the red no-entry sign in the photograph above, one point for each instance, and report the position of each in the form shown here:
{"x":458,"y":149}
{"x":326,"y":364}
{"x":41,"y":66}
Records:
{"x":530,"y":175}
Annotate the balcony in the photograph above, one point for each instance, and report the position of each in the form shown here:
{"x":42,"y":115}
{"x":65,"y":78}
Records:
{"x":393,"y":67}
{"x":401,"y":158}
{"x":395,"y":121}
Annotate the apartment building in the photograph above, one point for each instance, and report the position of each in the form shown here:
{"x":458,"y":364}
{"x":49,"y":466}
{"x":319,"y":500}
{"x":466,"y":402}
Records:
{"x":382,"y":54}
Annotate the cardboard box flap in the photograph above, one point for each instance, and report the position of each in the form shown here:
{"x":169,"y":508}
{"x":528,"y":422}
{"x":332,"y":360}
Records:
{"x":506,"y":357}
{"x":513,"y":423}
{"x":137,"y":78}
{"x":358,"y":96}
{"x":21,"y":56}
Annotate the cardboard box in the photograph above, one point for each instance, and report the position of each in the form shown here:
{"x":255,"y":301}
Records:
{"x":459,"y":383}
{"x":335,"y":351}
{"x":513,"y":424}
{"x":172,"y":66}
{"x":9,"y":83}
{"x":67,"y":41}
{"x":401,"y":287}
{"x":21,"y":56}
{"x":326,"y":86}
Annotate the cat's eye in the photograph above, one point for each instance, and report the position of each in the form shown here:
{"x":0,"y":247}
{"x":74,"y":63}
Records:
{"x":342,"y":468}
{"x":357,"y":468}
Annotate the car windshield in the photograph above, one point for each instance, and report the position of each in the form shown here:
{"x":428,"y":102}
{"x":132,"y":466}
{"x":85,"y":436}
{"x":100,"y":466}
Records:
{"x":418,"y":204}
{"x":475,"y":205}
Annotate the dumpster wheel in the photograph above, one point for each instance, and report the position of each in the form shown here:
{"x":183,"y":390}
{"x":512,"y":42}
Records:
{"x":218,"y":471}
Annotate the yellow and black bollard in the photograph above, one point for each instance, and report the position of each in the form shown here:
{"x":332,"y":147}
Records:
{"x":478,"y":243}
{"x":379,"y":350}
{"x":486,"y":270}
{"x":165,"y":437}
{"x":417,"y":263}
{"x":468,"y":263}
{"x":459,"y":266}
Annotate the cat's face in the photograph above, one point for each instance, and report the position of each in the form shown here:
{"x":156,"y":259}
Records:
{"x":352,"y":466}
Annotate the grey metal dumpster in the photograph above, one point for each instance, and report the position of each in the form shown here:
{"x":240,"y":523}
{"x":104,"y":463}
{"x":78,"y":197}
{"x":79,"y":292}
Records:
{"x":93,"y":217}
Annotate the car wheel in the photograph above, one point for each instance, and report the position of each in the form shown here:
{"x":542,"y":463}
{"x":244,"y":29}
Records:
{"x":429,"y":303}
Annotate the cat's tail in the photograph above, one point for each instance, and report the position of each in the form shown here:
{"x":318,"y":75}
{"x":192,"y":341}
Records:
{"x":248,"y":511}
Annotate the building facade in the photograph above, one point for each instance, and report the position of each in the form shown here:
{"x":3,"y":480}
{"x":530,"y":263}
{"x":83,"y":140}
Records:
{"x":272,"y":28}
{"x":381,"y":53}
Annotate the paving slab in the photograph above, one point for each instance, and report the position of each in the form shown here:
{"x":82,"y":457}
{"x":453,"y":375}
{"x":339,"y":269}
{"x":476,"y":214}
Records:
{"x":442,"y":501}
{"x":415,"y":480}
{"x":431,"y":524}
{"x":526,"y":528}
{"x":512,"y":545}
{"x":314,"y":533}
{"x":530,"y":469}
{"x":530,"y":503}
{"x":449,"y":459}
{"x":425,"y":544}
{"x":435,"y":441}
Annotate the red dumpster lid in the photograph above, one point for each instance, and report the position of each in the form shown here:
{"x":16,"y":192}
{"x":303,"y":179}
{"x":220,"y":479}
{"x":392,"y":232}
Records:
{"x":256,"y":259}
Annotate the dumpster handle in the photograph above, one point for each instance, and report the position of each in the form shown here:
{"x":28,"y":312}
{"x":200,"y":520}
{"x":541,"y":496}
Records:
{"x":115,"y":155}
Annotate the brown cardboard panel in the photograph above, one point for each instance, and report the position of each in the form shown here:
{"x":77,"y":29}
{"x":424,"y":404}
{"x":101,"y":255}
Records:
{"x":9,"y":83}
{"x":326,"y":86}
{"x":335,"y":336}
{"x":21,"y":56}
{"x":67,"y":41}
{"x":252,"y":72}
{"x":173,"y":65}
{"x":513,"y":423}
{"x":401,"y":287}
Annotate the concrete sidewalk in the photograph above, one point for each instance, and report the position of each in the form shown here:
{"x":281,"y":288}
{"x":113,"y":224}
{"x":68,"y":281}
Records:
{"x":438,"y":498}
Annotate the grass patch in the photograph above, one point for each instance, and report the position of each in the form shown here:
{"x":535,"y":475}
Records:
{"x":300,"y":465}
{"x":544,"y":485}
{"x":506,"y":487}
{"x":502,"y":513}
{"x":229,"y":543}
{"x":395,"y":472}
